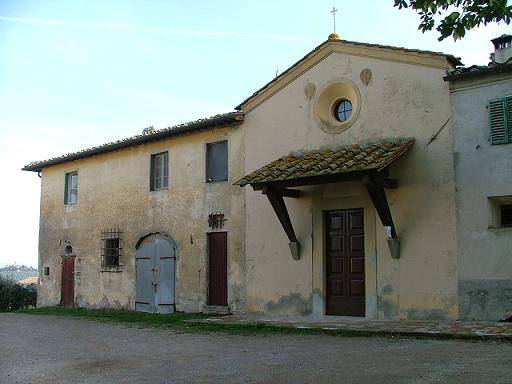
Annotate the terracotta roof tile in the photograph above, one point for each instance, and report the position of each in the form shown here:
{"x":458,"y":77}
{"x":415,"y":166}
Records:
{"x":350,"y":158}
{"x":217,"y":121}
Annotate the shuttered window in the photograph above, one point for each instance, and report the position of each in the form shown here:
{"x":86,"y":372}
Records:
{"x":71,"y":188}
{"x":500,"y":121}
{"x":216,"y":161}
{"x":159,"y":175}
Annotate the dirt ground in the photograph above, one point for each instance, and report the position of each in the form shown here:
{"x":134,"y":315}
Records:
{"x":50,"y":349}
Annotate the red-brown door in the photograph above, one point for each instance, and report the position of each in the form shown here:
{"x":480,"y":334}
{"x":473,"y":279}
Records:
{"x":345,"y":263}
{"x":67,"y":293}
{"x":217,"y":268}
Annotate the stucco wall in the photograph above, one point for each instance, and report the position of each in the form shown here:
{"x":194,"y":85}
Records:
{"x":113,"y":192}
{"x":401,"y":100}
{"x":482,"y":171}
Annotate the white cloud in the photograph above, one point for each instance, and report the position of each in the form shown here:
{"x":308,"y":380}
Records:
{"x":152,"y":30}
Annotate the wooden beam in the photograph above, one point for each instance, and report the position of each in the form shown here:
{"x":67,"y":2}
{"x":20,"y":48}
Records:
{"x":287,"y":192}
{"x":276,"y":200}
{"x":390,"y":183}
{"x":313,"y":180}
{"x":375,"y":188}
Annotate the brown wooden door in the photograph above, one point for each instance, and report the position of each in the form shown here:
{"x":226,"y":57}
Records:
{"x":217,"y":268}
{"x":345,"y":263}
{"x":67,"y":293}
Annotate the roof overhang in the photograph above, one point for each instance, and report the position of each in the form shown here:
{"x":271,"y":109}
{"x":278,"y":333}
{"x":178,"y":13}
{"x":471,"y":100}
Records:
{"x":366,"y":163}
{"x":477,"y":71}
{"x":218,"y":121}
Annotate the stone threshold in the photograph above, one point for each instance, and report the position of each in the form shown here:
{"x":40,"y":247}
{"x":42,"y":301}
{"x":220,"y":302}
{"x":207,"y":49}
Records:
{"x":475,"y":330}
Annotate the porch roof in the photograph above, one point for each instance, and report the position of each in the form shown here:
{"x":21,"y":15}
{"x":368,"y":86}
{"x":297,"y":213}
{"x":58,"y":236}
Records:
{"x":364,"y":162}
{"x":330,"y":162}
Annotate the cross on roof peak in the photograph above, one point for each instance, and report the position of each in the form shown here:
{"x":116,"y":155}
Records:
{"x":334,"y":35}
{"x":334,"y":10}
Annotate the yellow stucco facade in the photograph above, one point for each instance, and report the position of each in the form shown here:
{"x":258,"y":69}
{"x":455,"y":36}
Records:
{"x":395,"y":94}
{"x":405,"y":97}
{"x":114,"y":192}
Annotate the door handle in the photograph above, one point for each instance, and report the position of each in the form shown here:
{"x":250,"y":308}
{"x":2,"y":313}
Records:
{"x":154,"y":276}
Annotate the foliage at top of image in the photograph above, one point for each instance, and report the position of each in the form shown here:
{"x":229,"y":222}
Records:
{"x":457,"y":16}
{"x":14,"y":296}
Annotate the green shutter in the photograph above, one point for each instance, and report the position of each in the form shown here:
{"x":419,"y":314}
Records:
{"x":66,"y":187}
{"x":508,"y":115}
{"x":152,"y":173}
{"x":499,"y":132}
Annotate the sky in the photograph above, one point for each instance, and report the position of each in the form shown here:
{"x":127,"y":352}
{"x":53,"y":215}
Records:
{"x":74,"y":74}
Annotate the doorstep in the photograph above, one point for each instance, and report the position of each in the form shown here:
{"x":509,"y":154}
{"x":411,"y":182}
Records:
{"x":217,"y":310}
{"x":481,"y":330}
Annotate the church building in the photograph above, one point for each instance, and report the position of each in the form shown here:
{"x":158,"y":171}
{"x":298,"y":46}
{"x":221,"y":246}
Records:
{"x":329,"y":191}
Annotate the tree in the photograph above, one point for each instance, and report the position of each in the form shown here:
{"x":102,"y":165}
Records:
{"x":457,"y":16}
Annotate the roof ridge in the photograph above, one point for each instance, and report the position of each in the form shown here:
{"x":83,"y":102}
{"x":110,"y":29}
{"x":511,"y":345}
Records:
{"x":453,"y":60}
{"x":229,"y":118}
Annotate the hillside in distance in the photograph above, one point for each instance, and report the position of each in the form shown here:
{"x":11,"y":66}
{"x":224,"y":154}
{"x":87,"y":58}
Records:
{"x":18,"y":272}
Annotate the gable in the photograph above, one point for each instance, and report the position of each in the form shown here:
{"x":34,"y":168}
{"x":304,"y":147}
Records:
{"x":387,"y":53}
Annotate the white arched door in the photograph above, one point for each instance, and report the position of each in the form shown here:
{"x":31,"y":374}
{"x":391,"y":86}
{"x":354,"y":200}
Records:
{"x":155,"y":265}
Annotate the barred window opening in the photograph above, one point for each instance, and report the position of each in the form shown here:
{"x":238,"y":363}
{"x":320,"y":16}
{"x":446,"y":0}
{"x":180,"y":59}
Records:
{"x":111,"y":250}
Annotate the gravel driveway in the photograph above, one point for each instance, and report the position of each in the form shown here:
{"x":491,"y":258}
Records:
{"x":49,"y":349}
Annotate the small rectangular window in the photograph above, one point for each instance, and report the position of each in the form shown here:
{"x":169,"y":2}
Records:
{"x":159,"y":171}
{"x":500,"y":120}
{"x":111,"y":250}
{"x":216,"y":161}
{"x":506,"y":215}
{"x":71,"y":188}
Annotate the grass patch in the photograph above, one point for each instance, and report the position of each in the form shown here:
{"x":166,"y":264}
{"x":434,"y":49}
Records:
{"x":177,"y":322}
{"x":117,"y":316}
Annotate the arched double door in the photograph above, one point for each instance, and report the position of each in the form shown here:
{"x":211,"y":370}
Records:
{"x":155,"y":265}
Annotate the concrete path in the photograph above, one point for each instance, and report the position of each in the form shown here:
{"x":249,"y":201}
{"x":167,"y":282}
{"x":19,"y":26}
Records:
{"x":50,"y":349}
{"x":440,"y":329}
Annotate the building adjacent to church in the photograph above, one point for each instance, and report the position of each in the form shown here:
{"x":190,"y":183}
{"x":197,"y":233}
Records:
{"x":482,"y":122}
{"x":125,"y":224}
{"x":331,"y":191}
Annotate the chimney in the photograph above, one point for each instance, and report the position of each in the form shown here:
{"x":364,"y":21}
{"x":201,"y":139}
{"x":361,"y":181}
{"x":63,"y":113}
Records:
{"x":502,"y":49}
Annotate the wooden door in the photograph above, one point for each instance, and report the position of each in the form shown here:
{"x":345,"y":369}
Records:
{"x":155,"y":263}
{"x":345,"y":291}
{"x":144,"y":288}
{"x":67,"y":293}
{"x":165,"y":263}
{"x":217,"y":268}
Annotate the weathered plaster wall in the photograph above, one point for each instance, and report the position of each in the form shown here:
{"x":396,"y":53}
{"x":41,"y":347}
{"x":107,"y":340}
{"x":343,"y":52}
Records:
{"x":113,"y":192}
{"x":401,"y":100}
{"x":482,"y":171}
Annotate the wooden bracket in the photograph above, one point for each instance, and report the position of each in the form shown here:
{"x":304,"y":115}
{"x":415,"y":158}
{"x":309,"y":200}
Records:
{"x":375,"y":187}
{"x":275,"y":197}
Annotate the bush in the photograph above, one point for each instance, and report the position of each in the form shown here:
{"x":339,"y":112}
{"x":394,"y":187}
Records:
{"x":15,"y":296}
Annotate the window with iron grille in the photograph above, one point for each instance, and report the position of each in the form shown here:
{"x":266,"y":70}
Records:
{"x":71,"y":188}
{"x":216,"y":161}
{"x":111,"y":250}
{"x":500,"y":121}
{"x":159,"y":174}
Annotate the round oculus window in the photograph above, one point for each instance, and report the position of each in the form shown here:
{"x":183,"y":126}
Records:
{"x":343,"y":110}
